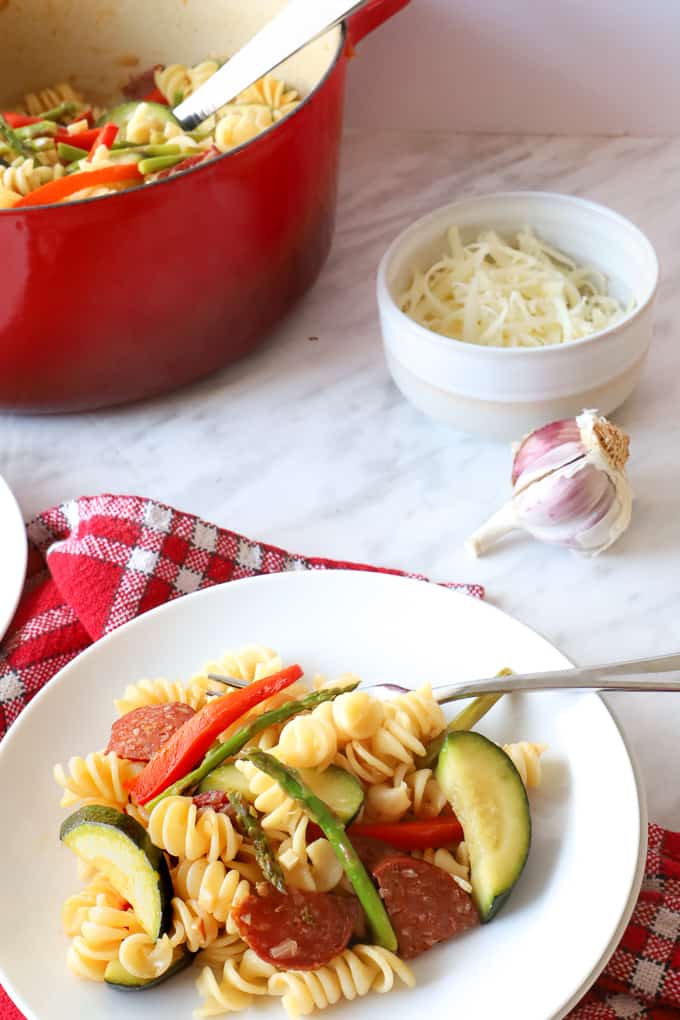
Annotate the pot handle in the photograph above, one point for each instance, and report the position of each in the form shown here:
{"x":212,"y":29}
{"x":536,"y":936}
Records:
{"x":371,"y":16}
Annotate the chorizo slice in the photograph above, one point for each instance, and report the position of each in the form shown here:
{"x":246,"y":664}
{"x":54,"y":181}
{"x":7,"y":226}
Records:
{"x":372,"y":851}
{"x":424,"y":903}
{"x":296,"y":930}
{"x":137,"y":735}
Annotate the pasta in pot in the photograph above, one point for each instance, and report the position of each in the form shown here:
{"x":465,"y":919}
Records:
{"x":54,"y":129}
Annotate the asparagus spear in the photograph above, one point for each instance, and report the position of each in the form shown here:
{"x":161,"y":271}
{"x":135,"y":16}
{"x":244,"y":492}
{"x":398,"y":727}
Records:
{"x":290,"y":782}
{"x":66,"y":109}
{"x":240,"y":738}
{"x":264,"y":855}
{"x":37,"y":130}
{"x":14,"y":143}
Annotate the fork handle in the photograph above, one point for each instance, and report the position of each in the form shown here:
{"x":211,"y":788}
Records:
{"x":661,"y":673}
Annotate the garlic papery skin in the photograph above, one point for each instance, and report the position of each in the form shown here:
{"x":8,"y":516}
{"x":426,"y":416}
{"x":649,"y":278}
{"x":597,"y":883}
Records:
{"x":569,"y":487}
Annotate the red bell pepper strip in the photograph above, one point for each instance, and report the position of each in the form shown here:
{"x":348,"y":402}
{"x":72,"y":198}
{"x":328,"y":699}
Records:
{"x":433,"y":832}
{"x":56,"y":191}
{"x":17,"y":120}
{"x":81,"y":139}
{"x":84,"y":115}
{"x":106,"y":136}
{"x":187,"y":746}
{"x":156,"y":96}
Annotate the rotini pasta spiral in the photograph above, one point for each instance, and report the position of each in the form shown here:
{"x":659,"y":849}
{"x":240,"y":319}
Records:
{"x":36,"y":103}
{"x":526,"y":758}
{"x":177,"y":81}
{"x":414,"y":790}
{"x":313,"y":867}
{"x":356,"y":715}
{"x":145,"y":957}
{"x":159,"y":692}
{"x":225,"y":947}
{"x":23,"y":175}
{"x":457,"y":864}
{"x":98,"y":779}
{"x":177,"y":825}
{"x":427,"y":797}
{"x":101,"y":934}
{"x":410,"y":721}
{"x":98,"y":893}
{"x":241,"y":979}
{"x":271,"y":92}
{"x":280,"y":814}
{"x":240,"y":127}
{"x":192,"y":925}
{"x":215,"y":888}
{"x":353,"y":973}
{"x":309,"y":741}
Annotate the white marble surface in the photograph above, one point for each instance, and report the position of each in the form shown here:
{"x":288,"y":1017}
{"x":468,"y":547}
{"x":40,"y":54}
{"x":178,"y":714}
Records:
{"x":308,"y":444}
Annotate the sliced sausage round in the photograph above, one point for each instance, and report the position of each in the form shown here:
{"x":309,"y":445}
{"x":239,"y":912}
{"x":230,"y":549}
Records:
{"x":216,"y":800}
{"x":296,"y":930}
{"x":425,"y":905}
{"x":137,"y":735}
{"x":372,"y":851}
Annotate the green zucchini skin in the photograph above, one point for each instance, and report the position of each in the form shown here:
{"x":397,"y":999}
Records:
{"x":116,"y":976}
{"x":488,"y":796}
{"x":341,"y":791}
{"x":104,"y":837}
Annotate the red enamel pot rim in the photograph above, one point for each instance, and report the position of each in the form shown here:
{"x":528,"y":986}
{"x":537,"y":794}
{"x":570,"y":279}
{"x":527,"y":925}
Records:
{"x":212,"y":162}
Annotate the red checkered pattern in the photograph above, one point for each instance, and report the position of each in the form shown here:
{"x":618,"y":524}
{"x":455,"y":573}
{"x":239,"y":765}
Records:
{"x":96,"y":563}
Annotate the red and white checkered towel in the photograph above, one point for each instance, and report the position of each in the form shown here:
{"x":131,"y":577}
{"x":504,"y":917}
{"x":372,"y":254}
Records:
{"x":96,"y":563}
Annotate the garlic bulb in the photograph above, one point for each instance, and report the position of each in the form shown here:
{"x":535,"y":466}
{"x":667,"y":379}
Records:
{"x":569,"y":487}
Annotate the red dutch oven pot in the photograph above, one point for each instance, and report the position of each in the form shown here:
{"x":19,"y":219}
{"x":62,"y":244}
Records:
{"x":116,"y":299}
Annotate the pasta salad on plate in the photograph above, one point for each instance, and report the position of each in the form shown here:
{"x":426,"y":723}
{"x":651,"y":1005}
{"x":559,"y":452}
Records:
{"x":57,"y":147}
{"x":291,"y":841}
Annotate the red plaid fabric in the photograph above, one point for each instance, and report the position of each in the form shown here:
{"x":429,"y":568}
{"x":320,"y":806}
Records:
{"x":96,"y":563}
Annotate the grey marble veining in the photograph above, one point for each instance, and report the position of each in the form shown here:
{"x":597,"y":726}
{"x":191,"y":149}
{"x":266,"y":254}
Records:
{"x":308,"y":444}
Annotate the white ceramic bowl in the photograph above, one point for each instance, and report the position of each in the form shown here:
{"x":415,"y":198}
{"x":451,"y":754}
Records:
{"x":504,"y":392}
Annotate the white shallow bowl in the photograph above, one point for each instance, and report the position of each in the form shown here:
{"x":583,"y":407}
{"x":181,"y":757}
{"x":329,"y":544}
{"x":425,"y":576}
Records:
{"x":504,"y":392}
{"x":570,"y":906}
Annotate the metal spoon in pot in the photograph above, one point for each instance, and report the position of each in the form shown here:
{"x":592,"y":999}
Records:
{"x":658,"y":674}
{"x":300,"y":22}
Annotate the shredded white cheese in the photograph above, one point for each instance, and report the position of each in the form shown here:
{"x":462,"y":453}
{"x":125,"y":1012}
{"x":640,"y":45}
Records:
{"x":519,"y":294}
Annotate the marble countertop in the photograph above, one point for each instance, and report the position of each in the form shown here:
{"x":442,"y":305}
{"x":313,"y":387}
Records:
{"x":309,"y":445}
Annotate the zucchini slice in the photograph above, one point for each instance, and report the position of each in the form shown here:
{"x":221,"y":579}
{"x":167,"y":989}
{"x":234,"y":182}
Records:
{"x":121,"y":115}
{"x":341,"y":791}
{"x":118,"y":846}
{"x":118,"y":977}
{"x":488,"y":796}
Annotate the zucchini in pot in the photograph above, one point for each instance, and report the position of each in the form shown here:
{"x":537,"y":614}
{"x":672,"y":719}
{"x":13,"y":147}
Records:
{"x":118,"y":846}
{"x":488,"y":796}
{"x":342,"y":792}
{"x":123,"y":114}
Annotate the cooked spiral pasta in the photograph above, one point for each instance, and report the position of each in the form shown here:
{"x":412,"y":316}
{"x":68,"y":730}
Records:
{"x":98,"y":779}
{"x":253,"y":662}
{"x":353,"y":973}
{"x":159,"y":692}
{"x":215,"y":888}
{"x":192,"y":925}
{"x":241,"y":979}
{"x":177,"y":81}
{"x":270,"y":92}
{"x":356,"y":715}
{"x":36,"y":103}
{"x":313,"y":867}
{"x":8,"y":198}
{"x":410,"y":721}
{"x":145,"y":957}
{"x":23,"y":175}
{"x":225,"y":947}
{"x":98,"y":893}
{"x":101,"y":934}
{"x":240,"y":127}
{"x":457,"y":864}
{"x":309,"y":741}
{"x":427,"y":797}
{"x":526,"y":758}
{"x":280,"y":814}
{"x":177,"y":825}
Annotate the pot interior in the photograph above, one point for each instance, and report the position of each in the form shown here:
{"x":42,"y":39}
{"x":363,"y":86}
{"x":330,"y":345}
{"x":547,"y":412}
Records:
{"x":97,"y":45}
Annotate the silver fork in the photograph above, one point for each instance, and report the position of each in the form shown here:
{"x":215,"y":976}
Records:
{"x":658,"y":674}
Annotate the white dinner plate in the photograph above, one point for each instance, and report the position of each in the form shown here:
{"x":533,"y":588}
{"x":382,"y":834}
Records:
{"x":13,"y":554}
{"x":562,"y":921}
